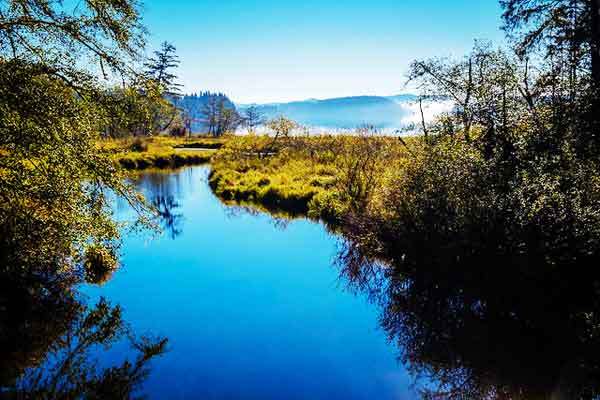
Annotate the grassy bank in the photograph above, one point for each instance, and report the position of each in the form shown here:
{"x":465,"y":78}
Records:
{"x":161,"y":152}
{"x":320,"y":177}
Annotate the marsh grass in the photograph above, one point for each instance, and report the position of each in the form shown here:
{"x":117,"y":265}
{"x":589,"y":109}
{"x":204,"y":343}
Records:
{"x":320,"y":177}
{"x":160,"y":152}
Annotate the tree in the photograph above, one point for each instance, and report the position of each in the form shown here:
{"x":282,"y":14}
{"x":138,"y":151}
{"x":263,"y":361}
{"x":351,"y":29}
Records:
{"x":253,"y":118}
{"x":210,"y":113}
{"x":56,"y":63}
{"x":228,"y":118}
{"x":219,"y":116}
{"x":504,"y":193}
{"x":568,"y":33}
{"x":139,"y":109}
{"x":282,"y":126}
{"x":486,"y":89}
{"x":103,"y":32}
{"x":570,"y":26}
{"x":159,"y":68}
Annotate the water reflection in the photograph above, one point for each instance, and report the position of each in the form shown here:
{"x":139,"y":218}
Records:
{"x":261,"y":308}
{"x":481,"y":333}
{"x":279,"y":221}
{"x":243,"y":301}
{"x":163,"y":189}
{"x":47,"y":337}
{"x":169,"y":218}
{"x":490,"y":331}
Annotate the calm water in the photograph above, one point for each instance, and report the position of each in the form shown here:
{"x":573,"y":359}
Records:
{"x":252,"y":309}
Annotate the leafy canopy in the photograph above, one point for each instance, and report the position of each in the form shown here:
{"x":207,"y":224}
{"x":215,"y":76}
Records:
{"x":56,"y":63}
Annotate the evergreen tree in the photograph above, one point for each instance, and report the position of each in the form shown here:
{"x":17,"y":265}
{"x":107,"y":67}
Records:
{"x":160,"y":67}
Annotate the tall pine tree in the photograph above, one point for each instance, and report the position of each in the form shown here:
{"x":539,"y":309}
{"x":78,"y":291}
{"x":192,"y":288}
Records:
{"x":160,"y":68}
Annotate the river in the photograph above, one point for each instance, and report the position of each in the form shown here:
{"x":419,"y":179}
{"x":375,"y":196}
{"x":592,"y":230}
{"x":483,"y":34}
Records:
{"x":253,"y":308}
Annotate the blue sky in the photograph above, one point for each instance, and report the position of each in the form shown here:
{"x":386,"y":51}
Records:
{"x":267,"y":51}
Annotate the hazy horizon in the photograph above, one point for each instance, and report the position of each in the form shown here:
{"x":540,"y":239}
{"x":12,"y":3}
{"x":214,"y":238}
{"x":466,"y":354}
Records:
{"x":294,"y":100}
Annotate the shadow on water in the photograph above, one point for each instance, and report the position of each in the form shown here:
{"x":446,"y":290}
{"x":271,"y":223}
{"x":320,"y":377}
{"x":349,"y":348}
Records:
{"x":52,"y":339}
{"x":467,"y":332}
{"x":163,"y":188}
{"x":478,"y":335}
{"x":490,"y":331}
{"x":169,"y":218}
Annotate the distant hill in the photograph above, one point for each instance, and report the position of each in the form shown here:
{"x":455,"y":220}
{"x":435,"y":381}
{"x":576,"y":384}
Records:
{"x":403,"y":98}
{"x":344,"y":112}
{"x":381,"y":112}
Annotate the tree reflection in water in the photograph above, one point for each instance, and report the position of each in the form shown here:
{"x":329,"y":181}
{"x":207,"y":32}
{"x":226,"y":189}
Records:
{"x":279,"y":221}
{"x":479,"y":332}
{"x":163,"y":188}
{"x":48,"y":339}
{"x":169,"y":219}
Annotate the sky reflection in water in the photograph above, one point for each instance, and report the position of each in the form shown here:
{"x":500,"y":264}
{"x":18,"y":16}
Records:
{"x":251,"y":310}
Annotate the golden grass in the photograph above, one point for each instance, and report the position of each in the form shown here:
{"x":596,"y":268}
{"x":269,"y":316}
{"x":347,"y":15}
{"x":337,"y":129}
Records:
{"x":161,"y":151}
{"x":302,"y":176}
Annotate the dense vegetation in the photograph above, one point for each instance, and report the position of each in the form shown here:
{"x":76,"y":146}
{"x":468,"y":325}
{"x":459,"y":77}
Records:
{"x":320,"y":176}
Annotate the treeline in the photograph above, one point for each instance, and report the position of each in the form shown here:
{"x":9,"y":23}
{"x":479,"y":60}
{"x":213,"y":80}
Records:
{"x":215,"y":114}
{"x":207,"y":112}
{"x":152,"y":104}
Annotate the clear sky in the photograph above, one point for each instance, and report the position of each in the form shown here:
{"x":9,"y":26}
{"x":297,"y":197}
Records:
{"x":268,"y":51}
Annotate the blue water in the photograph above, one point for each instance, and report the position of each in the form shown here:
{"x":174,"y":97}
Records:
{"x":252,"y":309}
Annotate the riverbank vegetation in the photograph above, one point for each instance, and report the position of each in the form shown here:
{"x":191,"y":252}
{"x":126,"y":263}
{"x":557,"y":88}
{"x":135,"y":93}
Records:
{"x":488,"y":221}
{"x":319,"y":176}
{"x":136,"y":153}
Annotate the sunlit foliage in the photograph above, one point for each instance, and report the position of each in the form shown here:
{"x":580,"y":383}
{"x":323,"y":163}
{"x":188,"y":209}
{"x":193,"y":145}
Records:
{"x":56,"y":65}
